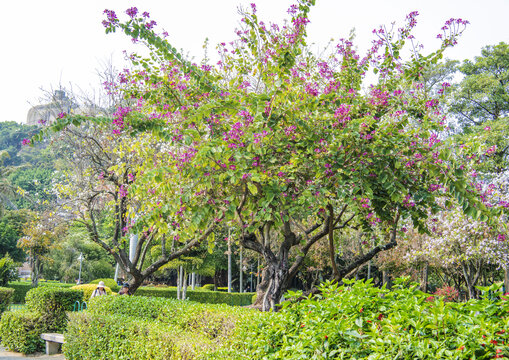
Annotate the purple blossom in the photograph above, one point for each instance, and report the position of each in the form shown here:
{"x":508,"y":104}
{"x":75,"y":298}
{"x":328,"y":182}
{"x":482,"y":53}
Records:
{"x":25,"y":142}
{"x":122,"y":191}
{"x":151,"y":24}
{"x":132,"y":12}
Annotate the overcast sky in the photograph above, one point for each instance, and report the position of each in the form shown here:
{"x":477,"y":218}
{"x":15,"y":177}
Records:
{"x":52,"y":42}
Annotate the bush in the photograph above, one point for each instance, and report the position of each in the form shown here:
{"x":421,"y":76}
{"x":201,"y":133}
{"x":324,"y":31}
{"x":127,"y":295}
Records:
{"x":208,"y":287}
{"x":215,"y":320}
{"x":20,"y":290}
{"x":202,"y":296}
{"x":360,"y":321}
{"x":46,"y":312}
{"x":138,"y":327}
{"x":88,"y":289}
{"x":21,"y":331}
{"x":52,"y":300}
{"x":8,"y":271}
{"x":5,"y":298}
{"x":121,"y":337}
{"x":448,"y":293}
{"x":111,"y":283}
{"x":22,"y":287}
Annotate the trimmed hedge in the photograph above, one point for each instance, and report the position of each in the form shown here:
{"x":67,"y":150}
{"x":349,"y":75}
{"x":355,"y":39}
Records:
{"x":22,"y":287}
{"x":201,"y":296}
{"x":50,"y":299}
{"x":135,"y":327}
{"x":111,"y":283}
{"x":5,"y":298}
{"x":121,"y":337}
{"x":88,"y":289}
{"x":208,"y":287}
{"x":20,"y":330}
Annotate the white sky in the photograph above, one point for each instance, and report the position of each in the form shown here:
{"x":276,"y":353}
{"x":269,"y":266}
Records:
{"x":52,"y":42}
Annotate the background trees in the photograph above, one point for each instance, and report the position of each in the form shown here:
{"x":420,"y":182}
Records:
{"x":483,"y":94}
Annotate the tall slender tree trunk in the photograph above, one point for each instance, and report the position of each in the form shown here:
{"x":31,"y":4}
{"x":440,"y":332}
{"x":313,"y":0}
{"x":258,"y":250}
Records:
{"x":506,"y":279}
{"x":184,"y":290}
{"x":424,"y":277}
{"x":179,"y":282}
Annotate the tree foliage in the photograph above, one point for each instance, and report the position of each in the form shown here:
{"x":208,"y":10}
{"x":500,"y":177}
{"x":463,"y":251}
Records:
{"x":483,"y":94}
{"x":279,"y":141}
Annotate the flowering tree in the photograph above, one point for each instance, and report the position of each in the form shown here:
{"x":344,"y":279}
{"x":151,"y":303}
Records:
{"x":284,"y":144}
{"x":39,"y":234}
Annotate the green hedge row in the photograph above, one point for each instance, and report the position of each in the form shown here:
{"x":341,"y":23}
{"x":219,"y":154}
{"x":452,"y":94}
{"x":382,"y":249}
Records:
{"x":46,"y":308}
{"x":117,"y":327}
{"x":120,"y":337}
{"x":201,"y":296}
{"x":5,"y":298}
{"x":22,"y":287}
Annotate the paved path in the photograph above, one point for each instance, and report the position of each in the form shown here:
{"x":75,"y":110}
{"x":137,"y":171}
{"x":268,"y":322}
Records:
{"x":7,"y":355}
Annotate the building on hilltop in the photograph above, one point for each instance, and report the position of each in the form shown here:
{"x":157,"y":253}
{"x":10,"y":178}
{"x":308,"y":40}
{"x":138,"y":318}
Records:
{"x":60,"y":103}
{"x":47,"y":113}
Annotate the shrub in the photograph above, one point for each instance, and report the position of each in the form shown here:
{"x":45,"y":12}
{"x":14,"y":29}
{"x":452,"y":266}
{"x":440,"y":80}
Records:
{"x":52,"y":299}
{"x":208,"y":287}
{"x":21,"y":331}
{"x":448,"y":293}
{"x":88,"y":289}
{"x":20,"y":290}
{"x":360,"y":321}
{"x":120,"y":337}
{"x":46,"y":312}
{"x":215,"y":320}
{"x":8,"y":271}
{"x":5,"y":298}
{"x":52,"y":303}
{"x":111,"y":283}
{"x":22,"y":287}
{"x":202,"y":296}
{"x":151,"y":328}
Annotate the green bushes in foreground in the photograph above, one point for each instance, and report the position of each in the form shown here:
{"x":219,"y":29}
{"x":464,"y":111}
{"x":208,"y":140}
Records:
{"x":20,"y":330}
{"x":5,"y":298}
{"x":201,"y":296}
{"x":359,"y":321}
{"x":141,"y":328}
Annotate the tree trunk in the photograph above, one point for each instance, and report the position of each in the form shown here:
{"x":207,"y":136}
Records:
{"x":506,"y":279}
{"x":184,"y":290}
{"x":272,"y":286}
{"x":424,"y":278}
{"x":179,"y":282}
{"x":471,"y":274}
{"x":385,"y":279}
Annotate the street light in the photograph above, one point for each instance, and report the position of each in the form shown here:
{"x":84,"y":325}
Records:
{"x":80,"y":258}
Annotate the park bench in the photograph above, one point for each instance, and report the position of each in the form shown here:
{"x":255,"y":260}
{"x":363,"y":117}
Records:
{"x":53,"y":342}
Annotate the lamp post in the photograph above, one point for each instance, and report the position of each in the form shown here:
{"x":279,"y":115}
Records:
{"x":80,"y":258}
